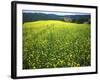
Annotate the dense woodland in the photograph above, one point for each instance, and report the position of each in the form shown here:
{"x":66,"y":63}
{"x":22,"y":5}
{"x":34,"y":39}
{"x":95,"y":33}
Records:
{"x":29,"y":17}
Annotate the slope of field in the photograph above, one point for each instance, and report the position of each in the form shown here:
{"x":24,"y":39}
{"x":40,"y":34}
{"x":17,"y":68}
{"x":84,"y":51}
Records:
{"x":52,"y":44}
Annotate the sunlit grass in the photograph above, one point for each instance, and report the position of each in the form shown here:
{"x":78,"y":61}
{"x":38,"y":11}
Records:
{"x":49,"y":44}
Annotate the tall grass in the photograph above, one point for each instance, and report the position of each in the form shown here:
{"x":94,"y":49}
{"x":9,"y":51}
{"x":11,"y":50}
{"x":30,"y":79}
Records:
{"x":53,"y":44}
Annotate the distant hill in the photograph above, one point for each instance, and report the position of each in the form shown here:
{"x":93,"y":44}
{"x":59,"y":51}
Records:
{"x":30,"y":17}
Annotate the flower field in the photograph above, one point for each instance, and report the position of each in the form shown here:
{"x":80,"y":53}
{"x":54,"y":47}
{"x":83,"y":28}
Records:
{"x":56,"y":44}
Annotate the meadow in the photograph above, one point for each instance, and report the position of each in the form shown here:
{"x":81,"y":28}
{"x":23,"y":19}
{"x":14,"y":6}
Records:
{"x":56,"y":44}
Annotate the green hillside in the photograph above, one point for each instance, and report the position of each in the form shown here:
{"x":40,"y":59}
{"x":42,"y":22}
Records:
{"x":53,"y":44}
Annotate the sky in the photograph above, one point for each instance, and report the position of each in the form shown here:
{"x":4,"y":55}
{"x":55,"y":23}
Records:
{"x":57,"y":13}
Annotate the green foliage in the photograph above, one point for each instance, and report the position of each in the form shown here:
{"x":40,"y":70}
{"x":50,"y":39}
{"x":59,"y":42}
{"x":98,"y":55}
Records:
{"x":53,"y":44}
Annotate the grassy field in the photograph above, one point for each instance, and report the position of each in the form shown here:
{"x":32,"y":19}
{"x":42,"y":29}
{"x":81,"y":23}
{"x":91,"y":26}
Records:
{"x":54,"y":44}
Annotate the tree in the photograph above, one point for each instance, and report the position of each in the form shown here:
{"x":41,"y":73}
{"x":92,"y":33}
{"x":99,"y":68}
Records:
{"x":67,"y":19}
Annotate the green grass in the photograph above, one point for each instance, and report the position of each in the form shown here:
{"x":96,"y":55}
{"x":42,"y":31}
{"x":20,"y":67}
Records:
{"x":54,"y":44}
